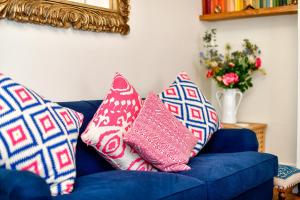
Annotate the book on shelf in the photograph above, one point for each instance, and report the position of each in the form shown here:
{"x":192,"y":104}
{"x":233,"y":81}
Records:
{"x":219,"y":6}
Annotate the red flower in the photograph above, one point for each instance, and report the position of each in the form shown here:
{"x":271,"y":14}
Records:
{"x":209,"y":74}
{"x":258,"y":63}
{"x":230,"y":78}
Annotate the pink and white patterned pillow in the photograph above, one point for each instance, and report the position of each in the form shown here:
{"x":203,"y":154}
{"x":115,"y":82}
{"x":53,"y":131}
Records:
{"x":112,"y":119}
{"x":38,"y":135}
{"x":160,"y":138}
{"x":189,"y":105}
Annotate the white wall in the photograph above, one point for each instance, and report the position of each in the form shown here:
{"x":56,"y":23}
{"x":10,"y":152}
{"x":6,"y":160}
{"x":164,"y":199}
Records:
{"x":273,"y":99}
{"x":72,"y":65}
{"x":165,"y":38}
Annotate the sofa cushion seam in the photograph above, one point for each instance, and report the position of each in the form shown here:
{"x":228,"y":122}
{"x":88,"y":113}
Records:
{"x":241,"y":170}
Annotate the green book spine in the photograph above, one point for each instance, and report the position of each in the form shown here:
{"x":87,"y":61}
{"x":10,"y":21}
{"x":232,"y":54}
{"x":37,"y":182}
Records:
{"x":280,"y":2}
{"x":260,"y":3}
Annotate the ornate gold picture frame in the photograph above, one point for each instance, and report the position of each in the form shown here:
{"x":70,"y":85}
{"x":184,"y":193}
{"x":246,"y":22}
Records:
{"x":65,"y":14}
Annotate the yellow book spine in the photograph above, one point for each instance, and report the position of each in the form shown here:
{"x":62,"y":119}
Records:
{"x":241,"y":4}
{"x":236,"y":5}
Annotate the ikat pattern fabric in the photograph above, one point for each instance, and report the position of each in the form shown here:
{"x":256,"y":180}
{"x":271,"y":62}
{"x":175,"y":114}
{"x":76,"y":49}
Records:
{"x":287,"y":177}
{"x":38,"y":136}
{"x":285,"y":171}
{"x":112,"y":119}
{"x":160,"y":138}
{"x":188,"y":104}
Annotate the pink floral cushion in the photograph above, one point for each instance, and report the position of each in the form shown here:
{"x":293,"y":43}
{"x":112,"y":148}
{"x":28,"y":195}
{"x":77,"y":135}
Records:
{"x":160,"y":138}
{"x":112,"y":119}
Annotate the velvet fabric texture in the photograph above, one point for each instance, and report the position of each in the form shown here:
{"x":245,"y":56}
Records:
{"x":136,"y":185}
{"x":234,"y":173}
{"x":260,"y":192}
{"x":213,"y":176}
{"x":231,"y":140}
{"x":129,"y":185}
{"x":22,"y":185}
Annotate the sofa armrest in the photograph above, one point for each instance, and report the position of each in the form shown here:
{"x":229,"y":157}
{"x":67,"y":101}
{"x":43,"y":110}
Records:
{"x":231,"y":140}
{"x":16,"y":185}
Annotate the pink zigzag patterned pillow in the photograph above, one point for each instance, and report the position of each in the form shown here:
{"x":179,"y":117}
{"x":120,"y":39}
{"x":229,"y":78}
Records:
{"x":38,"y":135}
{"x":160,"y":138}
{"x":112,"y":119}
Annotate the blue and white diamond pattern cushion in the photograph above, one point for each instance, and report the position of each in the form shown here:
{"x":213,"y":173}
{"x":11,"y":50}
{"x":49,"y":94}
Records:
{"x":287,"y":177}
{"x":38,"y":136}
{"x":187,"y":103}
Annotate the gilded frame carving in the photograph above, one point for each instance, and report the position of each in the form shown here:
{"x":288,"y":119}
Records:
{"x":65,"y":14}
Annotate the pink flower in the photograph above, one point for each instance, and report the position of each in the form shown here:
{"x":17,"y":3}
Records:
{"x":230,"y":78}
{"x":209,"y":74}
{"x":258,"y":63}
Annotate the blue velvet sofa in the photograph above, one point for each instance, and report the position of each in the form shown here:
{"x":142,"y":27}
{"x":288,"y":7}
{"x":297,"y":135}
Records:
{"x":229,"y":167}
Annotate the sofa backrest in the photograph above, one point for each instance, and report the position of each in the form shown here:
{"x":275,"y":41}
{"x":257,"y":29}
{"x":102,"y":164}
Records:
{"x":88,"y":161}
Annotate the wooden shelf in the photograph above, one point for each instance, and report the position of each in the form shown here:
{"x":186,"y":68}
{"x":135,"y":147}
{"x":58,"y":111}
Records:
{"x":282,"y":10}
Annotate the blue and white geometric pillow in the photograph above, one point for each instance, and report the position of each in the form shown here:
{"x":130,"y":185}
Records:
{"x":187,"y":103}
{"x":287,"y":177}
{"x":38,"y":136}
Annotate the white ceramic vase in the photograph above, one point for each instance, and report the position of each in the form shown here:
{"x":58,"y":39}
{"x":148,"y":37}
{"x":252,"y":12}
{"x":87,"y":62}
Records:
{"x":229,"y":101}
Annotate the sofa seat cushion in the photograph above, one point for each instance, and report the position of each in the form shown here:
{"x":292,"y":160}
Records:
{"x":136,"y":185}
{"x":227,"y":175}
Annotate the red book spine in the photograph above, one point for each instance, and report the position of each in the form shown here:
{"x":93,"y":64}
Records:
{"x":208,"y":6}
{"x":204,"y":10}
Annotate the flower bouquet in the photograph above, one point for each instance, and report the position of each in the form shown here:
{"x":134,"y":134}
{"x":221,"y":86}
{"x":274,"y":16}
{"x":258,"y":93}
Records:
{"x":233,"y":69}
